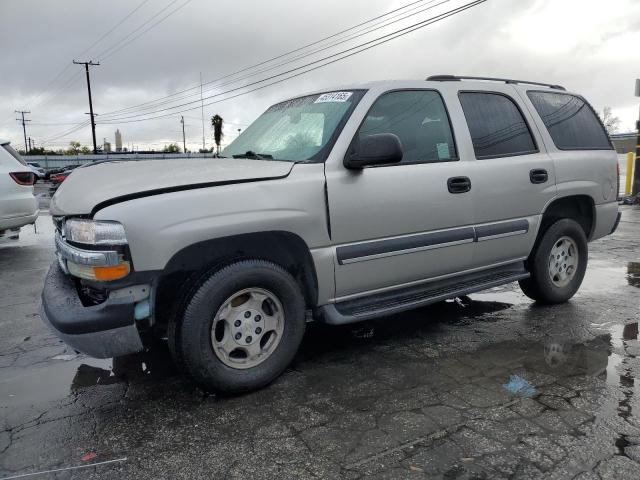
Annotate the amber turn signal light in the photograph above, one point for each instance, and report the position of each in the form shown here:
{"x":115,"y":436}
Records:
{"x":105,"y":274}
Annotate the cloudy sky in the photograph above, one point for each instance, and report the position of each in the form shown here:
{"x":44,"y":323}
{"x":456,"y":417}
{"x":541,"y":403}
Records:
{"x":152,"y":53}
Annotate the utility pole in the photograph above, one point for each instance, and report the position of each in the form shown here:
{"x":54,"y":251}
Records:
{"x":24,"y":128}
{"x":30,"y":144}
{"x":93,"y":122}
{"x":202,"y":113}
{"x":636,"y":170}
{"x":184,"y":143}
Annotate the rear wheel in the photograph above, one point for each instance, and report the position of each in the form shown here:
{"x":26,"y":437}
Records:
{"x":241,"y":327}
{"x":557,"y":263}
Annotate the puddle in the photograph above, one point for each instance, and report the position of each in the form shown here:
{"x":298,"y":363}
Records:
{"x":622,"y":365}
{"x":43,"y":383}
{"x":602,"y":277}
{"x":57,"y":379}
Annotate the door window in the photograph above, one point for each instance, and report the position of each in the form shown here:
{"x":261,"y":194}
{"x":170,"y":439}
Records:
{"x":496,"y":124}
{"x":419,"y":119}
{"x":571,"y":122}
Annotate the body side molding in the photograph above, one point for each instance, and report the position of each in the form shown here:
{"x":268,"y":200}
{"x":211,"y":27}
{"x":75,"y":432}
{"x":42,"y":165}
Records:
{"x":370,"y":250}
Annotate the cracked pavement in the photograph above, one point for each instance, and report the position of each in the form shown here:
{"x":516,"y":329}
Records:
{"x":418,"y":395}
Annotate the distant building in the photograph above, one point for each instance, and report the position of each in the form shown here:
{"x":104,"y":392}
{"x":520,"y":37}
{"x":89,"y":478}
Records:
{"x":118,"y":141}
{"x":107,"y":146}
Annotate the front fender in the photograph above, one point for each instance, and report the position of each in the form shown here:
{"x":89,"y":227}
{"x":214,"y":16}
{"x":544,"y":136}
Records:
{"x":159,"y":226}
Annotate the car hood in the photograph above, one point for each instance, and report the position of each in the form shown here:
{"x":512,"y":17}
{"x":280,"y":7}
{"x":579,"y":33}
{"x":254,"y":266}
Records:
{"x":87,"y":189}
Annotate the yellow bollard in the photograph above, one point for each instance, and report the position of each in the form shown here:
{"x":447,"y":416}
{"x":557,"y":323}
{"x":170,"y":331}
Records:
{"x":630,"y":162}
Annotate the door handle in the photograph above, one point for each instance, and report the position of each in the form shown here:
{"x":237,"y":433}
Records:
{"x":459,"y":184}
{"x":538,"y":175}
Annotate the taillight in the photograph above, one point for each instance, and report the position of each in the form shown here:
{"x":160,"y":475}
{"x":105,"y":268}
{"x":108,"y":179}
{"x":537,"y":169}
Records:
{"x":618,"y":180}
{"x":22,"y":178}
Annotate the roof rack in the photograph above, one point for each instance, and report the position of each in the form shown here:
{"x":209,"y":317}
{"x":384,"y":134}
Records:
{"x":457,"y":78}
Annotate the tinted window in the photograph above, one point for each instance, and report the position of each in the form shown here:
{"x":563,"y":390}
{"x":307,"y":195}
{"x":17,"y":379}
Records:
{"x":496,"y":125}
{"x":419,"y":119}
{"x":571,"y":122}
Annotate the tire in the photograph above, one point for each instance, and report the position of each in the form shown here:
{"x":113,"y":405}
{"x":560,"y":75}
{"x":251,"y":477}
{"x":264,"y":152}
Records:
{"x":208,"y":359}
{"x":547,"y":283}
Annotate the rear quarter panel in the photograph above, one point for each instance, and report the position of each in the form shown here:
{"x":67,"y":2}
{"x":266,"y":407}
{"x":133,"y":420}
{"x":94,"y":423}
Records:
{"x":582,"y":172}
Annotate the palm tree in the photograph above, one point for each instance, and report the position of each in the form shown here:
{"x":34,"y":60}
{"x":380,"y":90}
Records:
{"x":216,"y":123}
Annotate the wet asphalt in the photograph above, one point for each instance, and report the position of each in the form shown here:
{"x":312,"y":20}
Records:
{"x":489,"y":386}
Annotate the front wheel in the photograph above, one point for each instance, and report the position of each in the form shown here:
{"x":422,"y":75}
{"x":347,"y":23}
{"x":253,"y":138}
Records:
{"x":557,"y":263}
{"x":242,"y":326}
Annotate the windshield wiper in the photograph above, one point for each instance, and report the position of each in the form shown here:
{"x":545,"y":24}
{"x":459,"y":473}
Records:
{"x":252,"y":154}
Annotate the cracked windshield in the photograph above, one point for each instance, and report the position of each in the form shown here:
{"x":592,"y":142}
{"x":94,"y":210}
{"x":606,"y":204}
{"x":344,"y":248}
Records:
{"x":306,"y":241}
{"x":295,"y":130}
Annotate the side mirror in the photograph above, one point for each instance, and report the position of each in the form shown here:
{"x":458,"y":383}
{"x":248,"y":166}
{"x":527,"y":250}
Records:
{"x":378,"y":149}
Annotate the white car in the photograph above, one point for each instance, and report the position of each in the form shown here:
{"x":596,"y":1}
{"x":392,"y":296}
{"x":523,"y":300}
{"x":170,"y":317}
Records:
{"x":18,"y":206}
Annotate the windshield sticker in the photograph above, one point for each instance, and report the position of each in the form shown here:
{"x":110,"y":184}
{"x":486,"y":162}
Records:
{"x":333,"y":97}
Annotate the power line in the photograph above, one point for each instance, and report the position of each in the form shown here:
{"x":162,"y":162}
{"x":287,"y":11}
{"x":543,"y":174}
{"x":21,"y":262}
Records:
{"x":55,"y":124}
{"x":77,"y":76}
{"x":119,"y":45}
{"x":66,"y":132}
{"x":134,"y":115}
{"x":357,"y":34}
{"x":354,"y":51}
{"x":270,"y":59}
{"x":140,"y":5}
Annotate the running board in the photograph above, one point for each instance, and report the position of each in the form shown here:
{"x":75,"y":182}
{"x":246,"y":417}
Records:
{"x":387,"y":303}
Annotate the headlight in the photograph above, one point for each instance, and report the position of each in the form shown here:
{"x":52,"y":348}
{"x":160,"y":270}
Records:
{"x":94,"y":232}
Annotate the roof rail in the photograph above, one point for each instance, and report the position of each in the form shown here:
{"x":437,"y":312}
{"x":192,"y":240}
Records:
{"x":457,"y":78}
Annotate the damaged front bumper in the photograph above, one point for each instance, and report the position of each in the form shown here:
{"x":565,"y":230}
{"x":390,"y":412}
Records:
{"x":102,"y":331}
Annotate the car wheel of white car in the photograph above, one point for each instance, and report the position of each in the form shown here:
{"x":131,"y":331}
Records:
{"x":557,"y":264}
{"x":242,"y":326}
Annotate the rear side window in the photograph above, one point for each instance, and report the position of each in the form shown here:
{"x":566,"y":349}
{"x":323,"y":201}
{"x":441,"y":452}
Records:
{"x":419,"y":118}
{"x":13,"y":153}
{"x":571,"y":122}
{"x":496,"y":124}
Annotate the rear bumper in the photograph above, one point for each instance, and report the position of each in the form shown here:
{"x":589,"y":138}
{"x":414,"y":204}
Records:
{"x":103,"y":331}
{"x":17,"y":222}
{"x":606,"y":218}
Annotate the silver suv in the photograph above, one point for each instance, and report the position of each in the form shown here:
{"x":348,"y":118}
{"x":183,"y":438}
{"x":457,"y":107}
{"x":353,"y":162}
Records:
{"x":337,"y":207}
